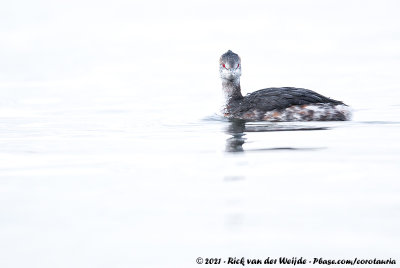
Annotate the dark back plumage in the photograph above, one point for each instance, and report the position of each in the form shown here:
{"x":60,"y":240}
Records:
{"x":279,"y":98}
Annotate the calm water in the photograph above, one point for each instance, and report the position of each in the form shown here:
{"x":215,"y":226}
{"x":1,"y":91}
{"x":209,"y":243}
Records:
{"x":112,"y":154}
{"x":97,"y":186}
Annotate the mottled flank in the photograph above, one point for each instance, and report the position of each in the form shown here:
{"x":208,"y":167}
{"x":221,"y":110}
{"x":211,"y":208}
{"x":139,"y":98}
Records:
{"x":311,"y":112}
{"x":275,"y":104}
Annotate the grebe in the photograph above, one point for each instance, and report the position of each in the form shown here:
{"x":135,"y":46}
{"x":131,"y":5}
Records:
{"x":275,"y":104}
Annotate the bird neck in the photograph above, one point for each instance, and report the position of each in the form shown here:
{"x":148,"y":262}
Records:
{"x":231,"y":89}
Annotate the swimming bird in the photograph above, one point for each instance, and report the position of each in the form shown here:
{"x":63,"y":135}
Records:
{"x":277,"y":103}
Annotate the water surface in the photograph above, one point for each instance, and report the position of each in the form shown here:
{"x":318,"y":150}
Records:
{"x":99,"y":186}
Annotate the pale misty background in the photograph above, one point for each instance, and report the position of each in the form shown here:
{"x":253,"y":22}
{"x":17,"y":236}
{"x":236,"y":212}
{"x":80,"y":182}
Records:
{"x":113,"y":155}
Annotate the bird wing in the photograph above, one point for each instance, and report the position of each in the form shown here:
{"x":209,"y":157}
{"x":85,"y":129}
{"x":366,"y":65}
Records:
{"x":280,"y":98}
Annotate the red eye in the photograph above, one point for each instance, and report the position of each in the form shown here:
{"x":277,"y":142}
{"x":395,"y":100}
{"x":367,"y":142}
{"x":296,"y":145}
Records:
{"x":223,"y":65}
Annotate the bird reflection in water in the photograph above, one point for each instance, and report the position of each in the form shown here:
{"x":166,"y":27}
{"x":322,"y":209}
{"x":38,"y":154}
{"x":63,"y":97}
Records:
{"x":237,"y":129}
